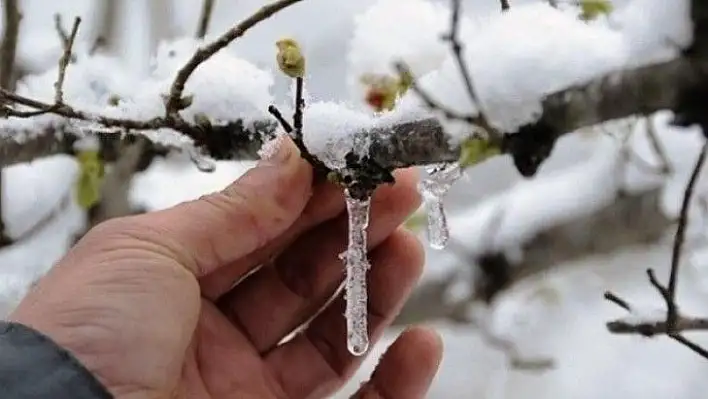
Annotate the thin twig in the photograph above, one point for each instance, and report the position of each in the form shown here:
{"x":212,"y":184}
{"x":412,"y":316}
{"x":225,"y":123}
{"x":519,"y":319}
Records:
{"x":67,"y":111}
{"x":61,"y":32}
{"x":273,"y":110}
{"x":505,"y":5}
{"x":432,"y":103}
{"x":172,"y":105}
{"x":41,"y":108}
{"x":457,"y":50}
{"x":650,"y":328}
{"x":690,"y":345}
{"x":674,"y":323}
{"x":64,"y":62}
{"x":205,"y":18}
{"x":681,"y":235}
{"x":299,"y":106}
{"x":295,"y":131}
{"x":617,"y":301}
{"x":316,"y":164}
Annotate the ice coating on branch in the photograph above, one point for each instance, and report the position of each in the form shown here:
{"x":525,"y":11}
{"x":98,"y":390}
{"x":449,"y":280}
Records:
{"x":333,"y":131}
{"x":433,"y":190}
{"x":356,"y":265}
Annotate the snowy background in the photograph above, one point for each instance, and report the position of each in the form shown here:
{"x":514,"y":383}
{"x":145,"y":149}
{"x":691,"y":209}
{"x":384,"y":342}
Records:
{"x":515,"y":59}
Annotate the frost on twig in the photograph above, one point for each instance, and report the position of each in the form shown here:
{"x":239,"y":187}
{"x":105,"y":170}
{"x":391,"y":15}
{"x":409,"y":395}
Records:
{"x":433,"y":190}
{"x":356,"y":265}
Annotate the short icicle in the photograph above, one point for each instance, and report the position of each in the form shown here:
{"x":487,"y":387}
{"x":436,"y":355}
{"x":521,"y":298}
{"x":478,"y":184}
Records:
{"x":357,"y":266}
{"x":433,"y":190}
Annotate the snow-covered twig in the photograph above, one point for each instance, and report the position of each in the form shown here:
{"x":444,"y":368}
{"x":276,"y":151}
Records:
{"x":58,"y":84}
{"x":174,"y":100}
{"x":643,"y":90}
{"x":674,"y":323}
{"x":453,"y":38}
{"x":64,"y":62}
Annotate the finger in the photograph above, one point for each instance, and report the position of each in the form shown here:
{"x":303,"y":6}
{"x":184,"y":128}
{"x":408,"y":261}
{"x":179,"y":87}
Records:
{"x":316,"y":362}
{"x":219,"y":228}
{"x":271,"y":303}
{"x":326,"y":203}
{"x":407,"y":368}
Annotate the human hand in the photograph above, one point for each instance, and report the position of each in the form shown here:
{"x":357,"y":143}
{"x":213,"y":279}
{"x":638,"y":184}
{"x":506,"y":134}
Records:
{"x":165,"y":305}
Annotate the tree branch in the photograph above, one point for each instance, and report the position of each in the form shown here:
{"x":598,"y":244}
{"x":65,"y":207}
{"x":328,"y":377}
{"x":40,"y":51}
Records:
{"x":650,"y":328}
{"x":642,"y":90}
{"x":675,"y":323}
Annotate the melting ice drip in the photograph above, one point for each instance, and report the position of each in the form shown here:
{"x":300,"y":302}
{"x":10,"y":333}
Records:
{"x":199,"y":160}
{"x":357,"y":266}
{"x":433,"y":190}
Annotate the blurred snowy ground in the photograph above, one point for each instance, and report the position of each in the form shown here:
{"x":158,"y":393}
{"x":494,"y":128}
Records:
{"x":591,"y":362}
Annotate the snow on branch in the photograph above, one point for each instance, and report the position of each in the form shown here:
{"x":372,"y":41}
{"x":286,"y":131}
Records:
{"x":420,"y":141}
{"x":404,"y":138}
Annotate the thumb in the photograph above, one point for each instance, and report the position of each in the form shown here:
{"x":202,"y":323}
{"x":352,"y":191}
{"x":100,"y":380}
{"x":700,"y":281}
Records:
{"x":222,"y":227}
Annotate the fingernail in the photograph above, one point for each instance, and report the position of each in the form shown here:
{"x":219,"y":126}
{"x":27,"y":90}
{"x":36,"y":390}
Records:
{"x":276,"y":151}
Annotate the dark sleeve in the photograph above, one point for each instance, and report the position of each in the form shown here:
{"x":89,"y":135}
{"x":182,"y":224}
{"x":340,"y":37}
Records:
{"x":32,"y":366}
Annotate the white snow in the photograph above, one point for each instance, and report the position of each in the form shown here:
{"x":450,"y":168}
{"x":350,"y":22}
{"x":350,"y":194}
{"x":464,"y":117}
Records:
{"x":412,"y":36}
{"x":515,"y":59}
{"x":331,"y":132}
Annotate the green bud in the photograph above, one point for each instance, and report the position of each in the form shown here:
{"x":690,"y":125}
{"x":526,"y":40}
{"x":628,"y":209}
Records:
{"x":476,"y":150}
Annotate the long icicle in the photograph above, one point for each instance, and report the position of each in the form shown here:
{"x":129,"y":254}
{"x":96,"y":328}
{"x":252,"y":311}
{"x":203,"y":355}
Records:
{"x":357,"y":265}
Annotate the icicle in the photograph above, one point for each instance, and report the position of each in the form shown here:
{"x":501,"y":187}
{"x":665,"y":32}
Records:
{"x":357,"y":266}
{"x":202,"y":163}
{"x":433,"y":190}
